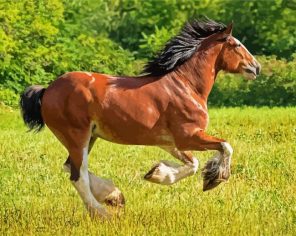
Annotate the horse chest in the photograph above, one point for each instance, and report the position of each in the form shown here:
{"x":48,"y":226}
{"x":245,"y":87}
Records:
{"x":192,"y":109}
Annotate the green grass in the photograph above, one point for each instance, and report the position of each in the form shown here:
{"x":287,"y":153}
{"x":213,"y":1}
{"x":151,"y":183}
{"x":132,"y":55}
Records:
{"x":36,"y":196}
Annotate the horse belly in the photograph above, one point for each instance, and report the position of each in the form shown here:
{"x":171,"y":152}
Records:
{"x":121,"y":130}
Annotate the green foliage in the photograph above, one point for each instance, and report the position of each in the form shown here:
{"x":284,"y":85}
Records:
{"x":139,"y":18}
{"x":8,"y":97}
{"x":264,"y":27}
{"x":152,"y":44}
{"x":276,"y":86}
{"x":37,"y":45}
{"x":40,"y":40}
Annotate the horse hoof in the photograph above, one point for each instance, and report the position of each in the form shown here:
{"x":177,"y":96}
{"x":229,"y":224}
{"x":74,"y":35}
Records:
{"x":210,"y":184}
{"x":149,"y":175}
{"x":161,"y":174}
{"x":214,"y":173}
{"x":115,"y":198}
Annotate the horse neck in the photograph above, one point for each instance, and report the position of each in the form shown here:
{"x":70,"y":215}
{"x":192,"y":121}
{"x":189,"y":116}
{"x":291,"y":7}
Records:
{"x":200,"y":71}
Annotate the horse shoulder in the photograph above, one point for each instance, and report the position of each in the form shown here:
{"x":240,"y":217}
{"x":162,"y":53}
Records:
{"x":131,"y":106}
{"x":187,"y":114}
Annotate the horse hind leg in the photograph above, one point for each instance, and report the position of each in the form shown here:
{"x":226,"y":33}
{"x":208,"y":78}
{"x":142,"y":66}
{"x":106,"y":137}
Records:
{"x":67,"y":164}
{"x":168,"y":173}
{"x":102,"y":189}
{"x":105,"y":191}
{"x":80,"y":180}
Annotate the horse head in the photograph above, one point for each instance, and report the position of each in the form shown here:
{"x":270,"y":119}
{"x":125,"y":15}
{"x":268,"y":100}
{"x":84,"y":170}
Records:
{"x":235,"y":57}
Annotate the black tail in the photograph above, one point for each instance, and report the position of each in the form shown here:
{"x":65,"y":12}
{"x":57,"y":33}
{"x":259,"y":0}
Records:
{"x":30,"y":104}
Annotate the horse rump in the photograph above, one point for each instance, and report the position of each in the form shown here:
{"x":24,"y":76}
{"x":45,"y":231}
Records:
{"x":30,"y":104}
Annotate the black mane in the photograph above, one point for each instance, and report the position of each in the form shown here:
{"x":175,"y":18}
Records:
{"x":181,"y":47}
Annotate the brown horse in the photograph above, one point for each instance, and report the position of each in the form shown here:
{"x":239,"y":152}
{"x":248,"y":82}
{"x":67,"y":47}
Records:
{"x":166,"y":107}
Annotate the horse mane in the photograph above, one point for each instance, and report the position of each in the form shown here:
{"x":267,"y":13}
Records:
{"x":181,"y":47}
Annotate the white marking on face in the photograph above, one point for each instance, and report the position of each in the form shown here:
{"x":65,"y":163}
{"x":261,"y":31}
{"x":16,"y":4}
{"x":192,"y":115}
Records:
{"x":243,"y":46}
{"x":254,"y":62}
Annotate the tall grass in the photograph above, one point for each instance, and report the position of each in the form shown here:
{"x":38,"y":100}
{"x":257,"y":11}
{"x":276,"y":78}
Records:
{"x":36,"y":196}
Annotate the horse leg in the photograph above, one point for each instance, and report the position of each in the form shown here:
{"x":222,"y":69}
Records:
{"x":67,"y":165}
{"x":102,"y":189}
{"x":80,"y":179}
{"x":168,"y":173}
{"x":217,"y":169}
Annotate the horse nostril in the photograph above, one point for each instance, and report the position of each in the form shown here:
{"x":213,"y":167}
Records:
{"x":258,"y":69}
{"x":249,"y":70}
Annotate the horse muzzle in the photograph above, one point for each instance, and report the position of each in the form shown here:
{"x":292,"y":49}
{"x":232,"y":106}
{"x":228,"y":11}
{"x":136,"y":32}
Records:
{"x":252,"y":70}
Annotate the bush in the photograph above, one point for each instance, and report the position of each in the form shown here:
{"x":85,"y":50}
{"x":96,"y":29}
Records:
{"x":37,"y":45}
{"x":8,"y":97}
{"x":40,"y":40}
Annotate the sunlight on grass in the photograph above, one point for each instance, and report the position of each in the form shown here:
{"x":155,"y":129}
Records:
{"x":36,"y":196}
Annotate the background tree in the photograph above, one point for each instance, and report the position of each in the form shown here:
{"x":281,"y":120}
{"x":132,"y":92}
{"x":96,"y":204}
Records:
{"x":41,"y":39}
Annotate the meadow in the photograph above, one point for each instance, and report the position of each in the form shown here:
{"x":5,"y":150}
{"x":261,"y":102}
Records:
{"x":36,"y":196}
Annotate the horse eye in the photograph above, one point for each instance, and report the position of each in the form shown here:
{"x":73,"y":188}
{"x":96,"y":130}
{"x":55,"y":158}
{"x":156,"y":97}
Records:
{"x":238,"y":45}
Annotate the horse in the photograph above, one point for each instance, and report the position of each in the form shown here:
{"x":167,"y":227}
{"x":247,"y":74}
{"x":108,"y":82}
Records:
{"x":165,"y":106}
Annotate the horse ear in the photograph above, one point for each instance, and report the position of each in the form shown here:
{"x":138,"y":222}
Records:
{"x":229,"y":29}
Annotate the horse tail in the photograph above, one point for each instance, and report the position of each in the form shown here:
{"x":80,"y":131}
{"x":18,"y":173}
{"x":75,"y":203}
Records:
{"x":30,"y":104}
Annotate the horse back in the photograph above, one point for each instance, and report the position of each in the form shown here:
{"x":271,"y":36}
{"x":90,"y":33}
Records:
{"x":124,"y":115}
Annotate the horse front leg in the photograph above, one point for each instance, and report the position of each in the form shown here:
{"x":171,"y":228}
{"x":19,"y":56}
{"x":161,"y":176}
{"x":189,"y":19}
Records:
{"x":217,"y":169}
{"x":167,"y":173}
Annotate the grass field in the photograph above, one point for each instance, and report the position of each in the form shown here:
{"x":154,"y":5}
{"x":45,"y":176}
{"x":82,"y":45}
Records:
{"x":36,"y":196}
